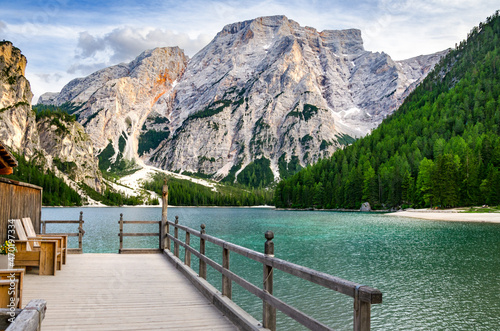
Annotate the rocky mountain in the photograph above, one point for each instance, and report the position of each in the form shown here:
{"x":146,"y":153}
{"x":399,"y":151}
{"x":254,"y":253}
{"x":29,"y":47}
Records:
{"x":18,"y":127}
{"x":54,"y":140}
{"x":70,"y":149}
{"x":441,"y":149}
{"x":265,"y":88}
{"x":113,"y":103}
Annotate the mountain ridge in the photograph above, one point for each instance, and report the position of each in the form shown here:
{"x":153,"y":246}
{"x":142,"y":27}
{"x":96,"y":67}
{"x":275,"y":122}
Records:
{"x":263,"y":88}
{"x":440,"y":149}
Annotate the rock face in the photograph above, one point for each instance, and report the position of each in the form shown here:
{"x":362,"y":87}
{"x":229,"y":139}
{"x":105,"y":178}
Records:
{"x":115,"y":102}
{"x":264,"y":88}
{"x":57,"y":142}
{"x":70,"y":150}
{"x":17,"y":121}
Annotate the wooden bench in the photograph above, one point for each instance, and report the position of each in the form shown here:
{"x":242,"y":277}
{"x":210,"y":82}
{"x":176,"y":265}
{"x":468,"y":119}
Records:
{"x":45,"y":257}
{"x":31,"y":234}
{"x":8,"y":275}
{"x":35,"y":244}
{"x":4,"y":292}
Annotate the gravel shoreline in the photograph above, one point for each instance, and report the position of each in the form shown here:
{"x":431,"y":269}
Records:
{"x":449,"y":215}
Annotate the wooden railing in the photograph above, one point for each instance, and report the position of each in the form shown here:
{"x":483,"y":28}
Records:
{"x":130,"y":234}
{"x":364,"y":296}
{"x":28,"y":319}
{"x":78,"y":234}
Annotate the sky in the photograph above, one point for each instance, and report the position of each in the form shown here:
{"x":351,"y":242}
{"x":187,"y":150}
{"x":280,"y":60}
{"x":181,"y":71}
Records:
{"x":64,"y":39}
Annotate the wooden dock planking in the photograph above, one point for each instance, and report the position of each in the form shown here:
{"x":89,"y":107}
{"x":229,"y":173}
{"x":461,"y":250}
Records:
{"x":122,"y":292}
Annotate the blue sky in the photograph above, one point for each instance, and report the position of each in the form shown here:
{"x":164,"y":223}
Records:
{"x":64,"y":39}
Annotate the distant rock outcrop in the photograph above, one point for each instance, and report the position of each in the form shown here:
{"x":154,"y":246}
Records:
{"x":70,"y":149}
{"x":114,"y":102}
{"x":365,"y":206}
{"x":263,"y":88}
{"x":58,"y":144}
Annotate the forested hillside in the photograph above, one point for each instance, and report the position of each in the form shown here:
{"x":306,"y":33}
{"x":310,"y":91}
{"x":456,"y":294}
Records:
{"x":55,"y":191}
{"x":441,"y":148}
{"x":186,"y":193}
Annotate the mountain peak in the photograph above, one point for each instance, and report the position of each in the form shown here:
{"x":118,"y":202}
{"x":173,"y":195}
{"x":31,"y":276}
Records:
{"x":262,"y":88}
{"x":347,"y":41}
{"x":268,"y":21}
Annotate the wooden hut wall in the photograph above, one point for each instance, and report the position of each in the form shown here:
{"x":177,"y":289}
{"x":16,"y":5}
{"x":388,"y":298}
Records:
{"x":19,"y":200}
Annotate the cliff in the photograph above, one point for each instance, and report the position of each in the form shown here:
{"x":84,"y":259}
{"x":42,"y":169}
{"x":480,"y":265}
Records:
{"x":18,"y":127}
{"x":56,"y":142}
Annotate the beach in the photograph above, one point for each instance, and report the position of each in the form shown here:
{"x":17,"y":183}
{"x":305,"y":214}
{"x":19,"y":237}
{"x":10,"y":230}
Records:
{"x":448,"y":215}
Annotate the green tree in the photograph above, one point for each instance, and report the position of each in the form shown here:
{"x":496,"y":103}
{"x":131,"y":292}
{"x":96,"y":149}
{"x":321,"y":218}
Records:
{"x":370,"y":186}
{"x":424,"y":181}
{"x":445,"y":180}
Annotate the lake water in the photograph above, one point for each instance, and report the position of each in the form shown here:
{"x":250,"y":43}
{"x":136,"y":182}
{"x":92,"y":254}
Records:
{"x":433,"y":275}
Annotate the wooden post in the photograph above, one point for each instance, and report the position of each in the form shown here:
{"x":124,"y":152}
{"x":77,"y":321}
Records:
{"x":44,"y":228}
{"x":226,"y":282}
{"x":362,"y":311}
{"x":269,"y":312}
{"x":176,"y":236}
{"x":80,"y":232}
{"x":121,"y":233}
{"x":203,"y":264}
{"x":164,"y":226}
{"x":160,"y":231}
{"x":167,"y":232}
{"x":187,"y":253}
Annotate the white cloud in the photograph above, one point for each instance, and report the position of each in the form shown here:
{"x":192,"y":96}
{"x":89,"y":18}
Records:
{"x":50,"y":78}
{"x":409,"y":28}
{"x":85,"y":69}
{"x":126,"y":43}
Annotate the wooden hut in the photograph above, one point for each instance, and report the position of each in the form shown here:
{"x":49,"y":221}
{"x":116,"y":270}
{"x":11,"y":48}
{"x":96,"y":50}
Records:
{"x":17,"y":199}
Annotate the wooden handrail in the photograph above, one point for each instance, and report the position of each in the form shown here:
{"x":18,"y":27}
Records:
{"x":28,"y":319}
{"x":366,"y":294}
{"x":78,"y":234}
{"x":363,"y":295}
{"x":122,"y":234}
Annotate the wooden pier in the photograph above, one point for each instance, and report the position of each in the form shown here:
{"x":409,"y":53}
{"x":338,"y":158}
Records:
{"x":139,"y":291}
{"x":122,"y":292}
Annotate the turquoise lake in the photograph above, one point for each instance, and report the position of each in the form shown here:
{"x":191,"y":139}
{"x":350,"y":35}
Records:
{"x":433,"y":275}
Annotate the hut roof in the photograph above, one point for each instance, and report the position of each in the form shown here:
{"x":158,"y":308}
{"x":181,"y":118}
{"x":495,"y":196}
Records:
{"x":7,"y":160}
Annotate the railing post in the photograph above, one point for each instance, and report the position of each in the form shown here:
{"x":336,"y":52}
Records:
{"x":80,"y":232}
{"x":362,"y":311}
{"x":176,"y":236}
{"x":269,"y":312}
{"x":121,"y":233}
{"x":161,"y":235}
{"x":187,"y":253}
{"x":44,"y":228}
{"x":164,"y":225}
{"x":226,"y":282}
{"x":203,"y":264}
{"x":167,"y":232}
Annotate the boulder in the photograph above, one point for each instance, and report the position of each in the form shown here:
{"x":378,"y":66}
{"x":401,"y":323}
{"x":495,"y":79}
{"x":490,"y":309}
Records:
{"x":365,"y":207}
